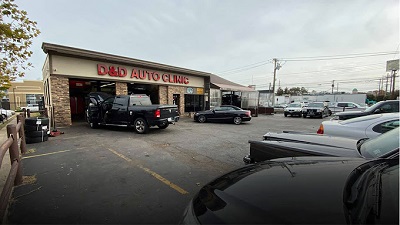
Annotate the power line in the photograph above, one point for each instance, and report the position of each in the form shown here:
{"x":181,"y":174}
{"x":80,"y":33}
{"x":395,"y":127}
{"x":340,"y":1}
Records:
{"x":315,"y":58}
{"x":250,"y":66}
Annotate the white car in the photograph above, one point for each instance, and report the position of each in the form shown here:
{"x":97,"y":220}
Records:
{"x":31,"y":107}
{"x":360,"y":127}
{"x":345,"y":106}
{"x":294,"y":109}
{"x":5,"y":113}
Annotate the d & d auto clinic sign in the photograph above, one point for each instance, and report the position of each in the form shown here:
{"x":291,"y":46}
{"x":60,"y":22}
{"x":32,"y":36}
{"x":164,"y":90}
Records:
{"x":140,"y":74}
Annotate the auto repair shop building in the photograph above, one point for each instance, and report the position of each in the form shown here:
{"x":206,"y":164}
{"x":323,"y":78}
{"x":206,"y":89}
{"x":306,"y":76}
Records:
{"x":69,"y":74}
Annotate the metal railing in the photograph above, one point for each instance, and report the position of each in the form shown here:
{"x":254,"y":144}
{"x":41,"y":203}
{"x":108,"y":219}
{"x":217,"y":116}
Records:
{"x":14,"y":143}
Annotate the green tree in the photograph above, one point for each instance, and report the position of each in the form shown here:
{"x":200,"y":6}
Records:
{"x":16,"y":34}
{"x":286,"y":91}
{"x":279,"y":92}
{"x":298,"y":91}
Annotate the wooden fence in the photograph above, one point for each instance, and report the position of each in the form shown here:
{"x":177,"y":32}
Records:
{"x":14,"y":143}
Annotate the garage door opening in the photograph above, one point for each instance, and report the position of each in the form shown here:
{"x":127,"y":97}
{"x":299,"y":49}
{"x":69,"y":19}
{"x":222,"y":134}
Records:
{"x":148,"y":89}
{"x":78,"y":91}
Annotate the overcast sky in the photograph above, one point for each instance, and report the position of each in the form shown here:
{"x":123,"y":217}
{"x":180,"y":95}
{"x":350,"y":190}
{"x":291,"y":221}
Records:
{"x":234,"y":39}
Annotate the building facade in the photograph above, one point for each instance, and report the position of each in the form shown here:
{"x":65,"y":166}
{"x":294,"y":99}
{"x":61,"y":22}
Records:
{"x":22,"y":93}
{"x":69,"y":74}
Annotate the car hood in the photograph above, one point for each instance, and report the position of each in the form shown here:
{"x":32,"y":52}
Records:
{"x":279,"y":145}
{"x":350,"y":113}
{"x":293,"y":108}
{"x":283,"y":191}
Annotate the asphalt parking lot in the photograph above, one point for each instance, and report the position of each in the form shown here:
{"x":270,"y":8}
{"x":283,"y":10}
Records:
{"x":115,"y":176}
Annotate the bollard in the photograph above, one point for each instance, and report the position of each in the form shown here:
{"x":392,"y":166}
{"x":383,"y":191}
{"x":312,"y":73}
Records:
{"x":28,"y":113}
{"x":14,"y":153}
{"x":24,"y":112}
{"x":21,"y":119}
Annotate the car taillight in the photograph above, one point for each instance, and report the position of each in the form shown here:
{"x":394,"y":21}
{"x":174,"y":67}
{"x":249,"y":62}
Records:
{"x":248,"y":113}
{"x":157,"y":113}
{"x":321,"y":129}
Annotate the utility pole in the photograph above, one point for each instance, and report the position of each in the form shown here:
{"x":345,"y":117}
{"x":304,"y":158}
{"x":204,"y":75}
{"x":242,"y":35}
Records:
{"x":379,"y":86}
{"x":273,"y":84}
{"x":269,"y":89}
{"x":394,"y":75}
{"x":387,"y":79}
{"x":333,"y":85}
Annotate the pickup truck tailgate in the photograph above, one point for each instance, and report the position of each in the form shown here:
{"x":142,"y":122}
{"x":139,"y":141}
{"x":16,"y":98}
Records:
{"x":169,"y":111}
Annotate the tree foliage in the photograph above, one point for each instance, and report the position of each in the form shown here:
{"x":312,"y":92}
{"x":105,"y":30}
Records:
{"x":16,"y":34}
{"x":292,"y":91}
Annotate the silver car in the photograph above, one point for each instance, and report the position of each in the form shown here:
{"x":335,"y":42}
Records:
{"x":360,"y":127}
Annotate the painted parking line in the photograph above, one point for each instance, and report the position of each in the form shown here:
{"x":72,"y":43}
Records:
{"x":40,"y":155}
{"x":152,"y":173}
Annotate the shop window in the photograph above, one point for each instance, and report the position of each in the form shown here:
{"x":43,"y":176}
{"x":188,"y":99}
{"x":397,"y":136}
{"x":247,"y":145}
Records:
{"x":33,"y":98}
{"x":194,"y":103}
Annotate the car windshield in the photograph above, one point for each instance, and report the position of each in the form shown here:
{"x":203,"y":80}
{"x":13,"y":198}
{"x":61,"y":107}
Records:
{"x":381,"y":145}
{"x":294,"y":105}
{"x":316,"y":105}
{"x":373,"y":108}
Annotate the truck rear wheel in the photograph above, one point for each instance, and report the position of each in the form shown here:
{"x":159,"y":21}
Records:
{"x":140,"y":126}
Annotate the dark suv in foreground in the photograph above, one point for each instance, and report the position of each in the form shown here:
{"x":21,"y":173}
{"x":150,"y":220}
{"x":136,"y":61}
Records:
{"x":302,"y":190}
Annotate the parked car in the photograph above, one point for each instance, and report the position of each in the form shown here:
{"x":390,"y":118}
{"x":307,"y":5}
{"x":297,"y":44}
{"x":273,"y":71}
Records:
{"x":304,"y":190}
{"x":223,"y":113}
{"x":282,"y":105}
{"x":31,"y":107}
{"x":360,"y":127}
{"x":316,"y":109}
{"x":345,"y":106}
{"x":6,"y":113}
{"x":387,"y":106}
{"x":280,"y":145}
{"x":294,"y":109}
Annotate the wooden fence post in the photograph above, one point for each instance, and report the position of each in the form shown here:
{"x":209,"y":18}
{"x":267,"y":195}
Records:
{"x":14,"y":153}
{"x":21,"y":132}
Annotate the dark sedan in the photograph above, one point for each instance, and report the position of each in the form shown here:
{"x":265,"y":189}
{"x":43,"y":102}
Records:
{"x":279,"y":145}
{"x":223,"y":113}
{"x":388,"y":106}
{"x":304,"y":190}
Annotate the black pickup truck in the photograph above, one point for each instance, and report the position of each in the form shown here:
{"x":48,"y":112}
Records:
{"x":135,"y":111}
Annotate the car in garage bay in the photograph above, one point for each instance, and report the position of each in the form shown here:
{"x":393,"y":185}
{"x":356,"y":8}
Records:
{"x":223,"y":113}
{"x":280,"y":145}
{"x":360,"y":127}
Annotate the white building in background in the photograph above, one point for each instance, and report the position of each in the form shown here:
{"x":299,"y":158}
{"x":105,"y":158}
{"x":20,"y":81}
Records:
{"x":266,"y":98}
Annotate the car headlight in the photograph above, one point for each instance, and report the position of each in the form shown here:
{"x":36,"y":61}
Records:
{"x":196,"y":114}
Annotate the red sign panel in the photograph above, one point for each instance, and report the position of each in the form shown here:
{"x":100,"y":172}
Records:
{"x":139,"y":74}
